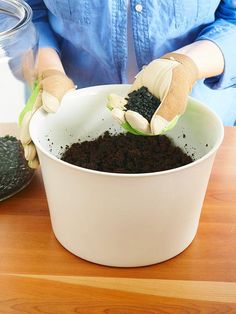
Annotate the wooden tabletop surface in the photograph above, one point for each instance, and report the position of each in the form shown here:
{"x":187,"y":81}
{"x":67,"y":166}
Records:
{"x":37,"y":275}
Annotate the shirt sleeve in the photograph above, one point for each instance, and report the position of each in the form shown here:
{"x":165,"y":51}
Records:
{"x":47,"y":38}
{"x":223,"y":33}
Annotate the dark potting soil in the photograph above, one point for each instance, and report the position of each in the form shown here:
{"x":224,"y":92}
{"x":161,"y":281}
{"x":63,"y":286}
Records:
{"x":143,"y":102}
{"x":127,"y":153}
{"x":14,"y":170}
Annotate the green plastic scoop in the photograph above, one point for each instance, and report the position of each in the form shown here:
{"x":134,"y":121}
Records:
{"x":30,"y":102}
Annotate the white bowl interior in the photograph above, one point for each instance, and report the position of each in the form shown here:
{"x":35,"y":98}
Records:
{"x":83,"y":115}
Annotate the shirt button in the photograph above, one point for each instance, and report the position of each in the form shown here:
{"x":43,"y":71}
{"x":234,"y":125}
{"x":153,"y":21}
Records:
{"x":138,"y":7}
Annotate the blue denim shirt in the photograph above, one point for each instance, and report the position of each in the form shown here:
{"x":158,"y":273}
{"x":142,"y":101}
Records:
{"x":91,"y":38}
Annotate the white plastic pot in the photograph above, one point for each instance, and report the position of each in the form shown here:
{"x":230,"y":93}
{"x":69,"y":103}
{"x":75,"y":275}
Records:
{"x":123,"y":220}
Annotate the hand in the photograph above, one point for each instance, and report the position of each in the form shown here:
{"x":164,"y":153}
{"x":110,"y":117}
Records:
{"x":53,"y":85}
{"x":170,"y":79}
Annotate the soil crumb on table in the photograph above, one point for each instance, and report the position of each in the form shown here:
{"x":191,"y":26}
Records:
{"x":127,"y":153}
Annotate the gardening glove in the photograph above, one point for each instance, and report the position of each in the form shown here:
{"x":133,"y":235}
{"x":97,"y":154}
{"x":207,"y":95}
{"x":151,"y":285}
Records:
{"x":48,"y":93}
{"x":170,"y":79}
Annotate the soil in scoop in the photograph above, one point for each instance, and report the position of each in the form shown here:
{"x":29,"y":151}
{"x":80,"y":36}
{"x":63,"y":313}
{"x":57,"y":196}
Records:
{"x":127,"y":153}
{"x":143,"y":102}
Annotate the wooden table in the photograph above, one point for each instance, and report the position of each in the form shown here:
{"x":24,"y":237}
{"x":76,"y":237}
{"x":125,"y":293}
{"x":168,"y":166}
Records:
{"x":39,"y":276}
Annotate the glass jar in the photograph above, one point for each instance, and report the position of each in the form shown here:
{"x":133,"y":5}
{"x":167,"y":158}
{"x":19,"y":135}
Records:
{"x":18,"y":48}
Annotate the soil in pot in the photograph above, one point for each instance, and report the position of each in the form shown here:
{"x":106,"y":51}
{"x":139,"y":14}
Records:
{"x":126,"y":153}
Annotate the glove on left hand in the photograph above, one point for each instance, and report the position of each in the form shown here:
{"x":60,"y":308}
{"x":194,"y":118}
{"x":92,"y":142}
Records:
{"x":53,"y":85}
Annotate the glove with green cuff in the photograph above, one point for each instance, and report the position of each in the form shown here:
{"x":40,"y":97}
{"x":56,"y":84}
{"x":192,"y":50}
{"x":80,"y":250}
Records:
{"x":48,"y":93}
{"x":170,"y":79}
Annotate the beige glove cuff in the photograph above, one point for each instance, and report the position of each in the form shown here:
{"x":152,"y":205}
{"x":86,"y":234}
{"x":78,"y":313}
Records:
{"x":183,"y":77}
{"x":187,"y":62}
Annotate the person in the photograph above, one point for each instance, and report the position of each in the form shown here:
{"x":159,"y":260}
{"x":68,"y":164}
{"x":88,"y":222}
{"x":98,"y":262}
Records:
{"x":191,"y":43}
